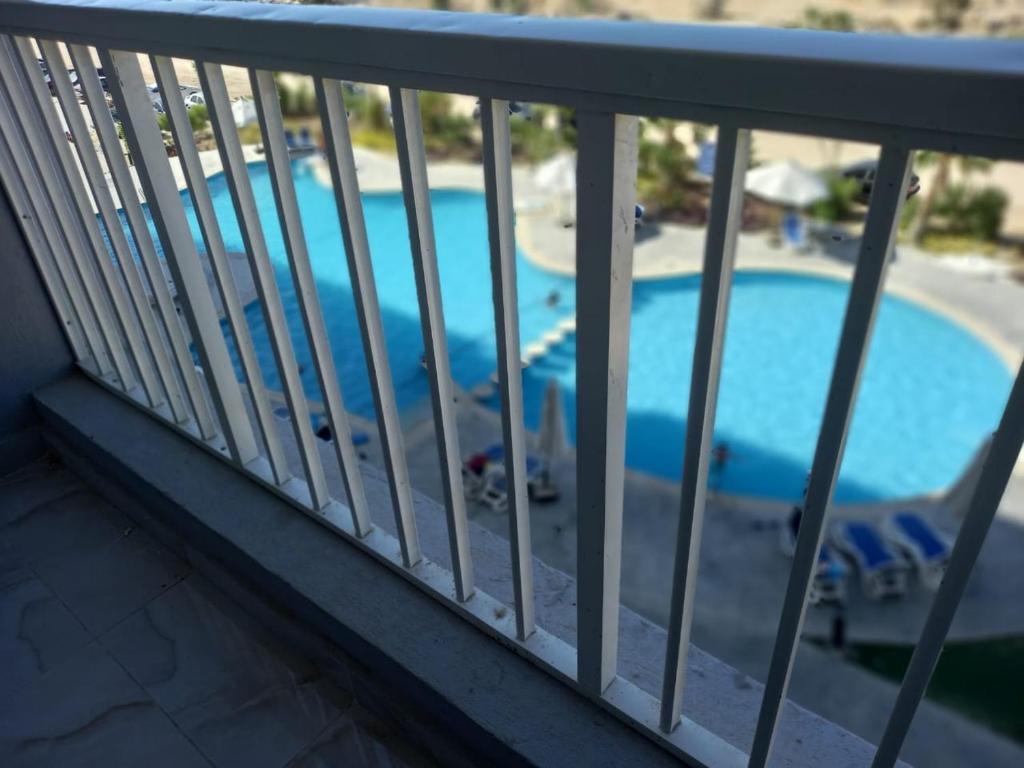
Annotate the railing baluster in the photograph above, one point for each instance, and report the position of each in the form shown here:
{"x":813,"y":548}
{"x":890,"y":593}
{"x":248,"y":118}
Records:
{"x":995,"y":474}
{"x":497,"y":161}
{"x":733,"y":151}
{"x":82,"y":258}
{"x":606,"y":200}
{"x":195,"y":179}
{"x":43,"y":257}
{"x":140,"y":129}
{"x":118,"y":168}
{"x":268,"y":111}
{"x":19,"y":174}
{"x":865,"y":295}
{"x":117,"y":293}
{"x":405,"y":109}
{"x":211,"y":78}
{"x":364,"y":293}
{"x":151,"y":337}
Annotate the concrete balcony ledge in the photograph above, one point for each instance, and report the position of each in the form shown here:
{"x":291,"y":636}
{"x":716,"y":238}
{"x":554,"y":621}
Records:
{"x":462,"y":696}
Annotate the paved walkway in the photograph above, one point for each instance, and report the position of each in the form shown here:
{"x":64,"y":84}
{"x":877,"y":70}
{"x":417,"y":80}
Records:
{"x":116,"y":654}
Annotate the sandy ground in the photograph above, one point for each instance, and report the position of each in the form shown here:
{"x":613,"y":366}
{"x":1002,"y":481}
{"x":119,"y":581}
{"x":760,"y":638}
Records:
{"x":812,"y":152}
{"x":881,"y":15}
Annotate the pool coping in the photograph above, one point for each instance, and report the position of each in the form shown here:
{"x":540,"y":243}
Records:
{"x":787,"y":262}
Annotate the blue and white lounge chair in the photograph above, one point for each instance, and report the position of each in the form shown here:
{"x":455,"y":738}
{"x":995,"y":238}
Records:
{"x":289,"y":139}
{"x":927,"y":547}
{"x":829,"y":584}
{"x":883,"y":571}
{"x":793,"y":230}
{"x":495,"y":490}
{"x":496,"y":453}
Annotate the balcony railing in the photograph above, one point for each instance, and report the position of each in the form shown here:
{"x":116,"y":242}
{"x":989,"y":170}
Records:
{"x":905,"y":94}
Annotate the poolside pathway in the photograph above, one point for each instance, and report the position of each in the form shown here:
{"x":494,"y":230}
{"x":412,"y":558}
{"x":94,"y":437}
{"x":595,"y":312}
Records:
{"x":741,"y":586}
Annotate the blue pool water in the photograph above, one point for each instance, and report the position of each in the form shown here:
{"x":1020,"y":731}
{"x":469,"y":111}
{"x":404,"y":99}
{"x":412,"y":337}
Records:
{"x":930,"y":393}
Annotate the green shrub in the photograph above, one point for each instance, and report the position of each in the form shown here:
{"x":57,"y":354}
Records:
{"x":198,"y":117}
{"x":838,"y":205}
{"x":975,"y":212}
{"x":381,"y":141}
{"x":443,"y":132}
{"x":296,"y":102}
{"x":663,"y":171}
{"x":831,"y":21}
{"x":367,"y":111}
{"x":531,"y":141}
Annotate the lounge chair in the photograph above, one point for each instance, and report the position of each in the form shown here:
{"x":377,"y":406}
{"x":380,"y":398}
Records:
{"x":496,"y":453}
{"x":538,"y":480}
{"x":289,"y":139}
{"x":495,"y":490}
{"x":789,"y":530}
{"x":474,"y":475}
{"x":305,"y":139}
{"x":883,"y":571}
{"x":829,"y":584}
{"x":794,"y":231}
{"x":927,"y":547}
{"x":483,"y":479}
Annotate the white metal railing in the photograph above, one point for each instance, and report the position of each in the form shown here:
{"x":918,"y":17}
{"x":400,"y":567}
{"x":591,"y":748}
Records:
{"x":905,"y":94}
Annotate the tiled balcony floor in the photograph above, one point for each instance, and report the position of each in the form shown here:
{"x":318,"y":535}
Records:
{"x":114,"y":653}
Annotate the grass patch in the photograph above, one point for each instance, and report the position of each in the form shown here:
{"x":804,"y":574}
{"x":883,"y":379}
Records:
{"x":371,"y":138}
{"x":250,"y":134}
{"x":981,"y":680}
{"x":947,"y":242}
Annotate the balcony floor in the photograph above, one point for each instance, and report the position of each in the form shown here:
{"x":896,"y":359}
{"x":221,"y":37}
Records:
{"x":116,"y":653}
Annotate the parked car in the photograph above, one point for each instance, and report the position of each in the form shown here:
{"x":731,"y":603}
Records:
{"x":865,"y":171}
{"x":195,"y":99}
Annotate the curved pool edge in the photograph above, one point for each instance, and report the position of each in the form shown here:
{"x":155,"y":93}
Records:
{"x":985,"y":333}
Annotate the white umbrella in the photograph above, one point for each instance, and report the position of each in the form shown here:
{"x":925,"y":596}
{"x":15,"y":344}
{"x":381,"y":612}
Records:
{"x":552,"y":438}
{"x":557,"y":174}
{"x":786,"y":182}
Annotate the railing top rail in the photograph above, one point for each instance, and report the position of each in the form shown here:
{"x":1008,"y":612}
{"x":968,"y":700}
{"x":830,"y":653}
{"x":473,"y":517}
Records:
{"x":963,"y":94}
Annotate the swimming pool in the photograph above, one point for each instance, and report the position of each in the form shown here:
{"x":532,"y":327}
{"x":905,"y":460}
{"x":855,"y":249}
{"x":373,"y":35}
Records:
{"x":930,"y":393}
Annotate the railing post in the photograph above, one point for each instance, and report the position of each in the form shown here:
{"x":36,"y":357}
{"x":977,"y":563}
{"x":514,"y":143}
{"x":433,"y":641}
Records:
{"x":140,"y":129}
{"x":501,"y":228}
{"x":32,"y":129}
{"x":995,"y":474}
{"x":117,"y":166}
{"x":890,"y":189}
{"x":341,"y":160}
{"x":128,"y":321}
{"x":732,"y":154}
{"x":405,"y":108}
{"x":268,"y":111}
{"x":606,"y":200}
{"x":211,"y":77}
{"x":151,"y":338}
{"x":195,"y":179}
{"x":39,"y":222}
{"x":44,"y":258}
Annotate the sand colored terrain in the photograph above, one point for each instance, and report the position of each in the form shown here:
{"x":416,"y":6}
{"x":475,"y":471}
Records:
{"x":891,"y":15}
{"x":908,"y":16}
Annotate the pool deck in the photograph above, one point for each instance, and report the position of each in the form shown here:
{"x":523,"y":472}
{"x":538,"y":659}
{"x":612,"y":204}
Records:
{"x":743,"y":571}
{"x":741,"y":531}
{"x":742,"y":582}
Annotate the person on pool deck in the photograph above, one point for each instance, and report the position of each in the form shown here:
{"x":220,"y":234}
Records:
{"x":720,"y":456}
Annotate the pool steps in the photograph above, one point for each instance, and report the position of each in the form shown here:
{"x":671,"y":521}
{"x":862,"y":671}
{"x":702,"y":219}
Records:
{"x":534,"y":351}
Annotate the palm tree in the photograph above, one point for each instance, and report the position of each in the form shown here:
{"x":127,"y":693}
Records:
{"x":940,"y":182}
